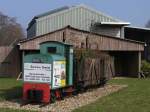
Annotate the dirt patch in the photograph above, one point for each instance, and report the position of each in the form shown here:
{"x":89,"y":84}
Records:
{"x":120,"y":77}
{"x":68,"y":104}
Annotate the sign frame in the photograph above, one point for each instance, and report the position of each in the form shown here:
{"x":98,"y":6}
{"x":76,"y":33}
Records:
{"x":30,"y":68}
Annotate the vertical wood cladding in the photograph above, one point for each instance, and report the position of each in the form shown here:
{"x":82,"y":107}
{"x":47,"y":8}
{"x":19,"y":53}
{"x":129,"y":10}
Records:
{"x":33,"y":44}
{"x":9,"y":61}
{"x":81,"y":39}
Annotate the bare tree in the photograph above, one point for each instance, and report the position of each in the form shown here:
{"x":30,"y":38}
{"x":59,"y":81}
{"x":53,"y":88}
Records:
{"x":10,"y":30}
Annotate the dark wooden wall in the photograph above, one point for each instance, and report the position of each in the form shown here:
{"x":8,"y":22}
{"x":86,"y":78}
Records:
{"x":9,"y":61}
{"x":126,"y":63}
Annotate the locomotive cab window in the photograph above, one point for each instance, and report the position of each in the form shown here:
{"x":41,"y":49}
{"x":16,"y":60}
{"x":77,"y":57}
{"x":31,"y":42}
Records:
{"x":36,"y":60}
{"x":51,"y":50}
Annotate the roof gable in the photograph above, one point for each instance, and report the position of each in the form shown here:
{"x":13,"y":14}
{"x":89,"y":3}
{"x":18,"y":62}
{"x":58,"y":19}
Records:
{"x":67,"y":8}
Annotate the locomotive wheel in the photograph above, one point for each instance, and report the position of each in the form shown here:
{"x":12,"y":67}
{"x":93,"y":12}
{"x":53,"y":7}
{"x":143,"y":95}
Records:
{"x":53,"y":97}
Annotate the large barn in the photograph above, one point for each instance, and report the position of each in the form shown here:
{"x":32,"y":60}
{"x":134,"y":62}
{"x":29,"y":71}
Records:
{"x":84,"y":28}
{"x":126,"y":53}
{"x":81,"y":17}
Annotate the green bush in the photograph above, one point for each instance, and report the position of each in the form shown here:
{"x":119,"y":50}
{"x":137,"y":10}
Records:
{"x":145,"y":67}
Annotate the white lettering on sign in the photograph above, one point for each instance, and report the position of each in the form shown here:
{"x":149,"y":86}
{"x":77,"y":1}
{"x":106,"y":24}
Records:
{"x":37,"y":72}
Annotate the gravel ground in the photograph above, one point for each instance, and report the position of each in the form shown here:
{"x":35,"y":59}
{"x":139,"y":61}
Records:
{"x":68,"y":104}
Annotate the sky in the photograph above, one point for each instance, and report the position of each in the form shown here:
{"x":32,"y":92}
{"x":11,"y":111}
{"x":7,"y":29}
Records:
{"x":137,"y":12}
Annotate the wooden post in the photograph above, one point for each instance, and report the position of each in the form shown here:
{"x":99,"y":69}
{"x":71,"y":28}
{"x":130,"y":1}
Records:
{"x":139,"y":63}
{"x":18,"y":78}
{"x":23,"y":53}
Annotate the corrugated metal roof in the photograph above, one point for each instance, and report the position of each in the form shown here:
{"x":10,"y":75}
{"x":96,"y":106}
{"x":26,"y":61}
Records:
{"x":114,"y":23}
{"x":138,"y":28}
{"x":53,"y":11}
{"x":47,"y":13}
{"x":80,"y":17}
{"x":66,"y":8}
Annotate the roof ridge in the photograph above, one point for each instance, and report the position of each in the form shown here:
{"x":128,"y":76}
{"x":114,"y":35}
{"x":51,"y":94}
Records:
{"x":53,"y":11}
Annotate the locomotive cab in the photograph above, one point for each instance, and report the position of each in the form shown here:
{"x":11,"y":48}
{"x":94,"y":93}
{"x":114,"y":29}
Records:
{"x":49,"y":71}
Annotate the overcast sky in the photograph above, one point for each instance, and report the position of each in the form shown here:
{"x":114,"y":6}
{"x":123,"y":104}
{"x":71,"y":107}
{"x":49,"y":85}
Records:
{"x":137,"y":12}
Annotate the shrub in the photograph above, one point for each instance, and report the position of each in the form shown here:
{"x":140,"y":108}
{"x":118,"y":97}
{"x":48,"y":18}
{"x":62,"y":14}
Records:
{"x":145,"y":67}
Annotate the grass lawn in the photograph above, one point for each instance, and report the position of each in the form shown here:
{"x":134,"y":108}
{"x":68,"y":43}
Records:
{"x":135,"y":98}
{"x":10,"y":88}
